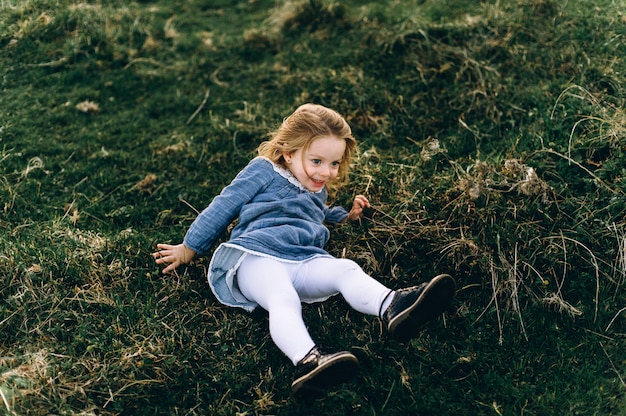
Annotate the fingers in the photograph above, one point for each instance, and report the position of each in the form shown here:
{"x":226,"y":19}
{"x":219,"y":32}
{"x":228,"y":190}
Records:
{"x":162,"y":247}
{"x":170,"y":268}
{"x":361,"y":201}
{"x":166,"y":254}
{"x":163,"y":257}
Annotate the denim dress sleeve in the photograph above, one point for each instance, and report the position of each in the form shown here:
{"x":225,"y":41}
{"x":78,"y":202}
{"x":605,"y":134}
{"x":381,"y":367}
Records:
{"x":215,"y":219}
{"x":336,"y":215}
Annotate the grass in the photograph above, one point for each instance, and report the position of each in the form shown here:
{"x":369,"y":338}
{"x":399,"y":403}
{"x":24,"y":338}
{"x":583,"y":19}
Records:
{"x":492,"y":139}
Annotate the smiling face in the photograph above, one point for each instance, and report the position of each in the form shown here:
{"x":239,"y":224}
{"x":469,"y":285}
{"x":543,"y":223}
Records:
{"x":319,"y":164}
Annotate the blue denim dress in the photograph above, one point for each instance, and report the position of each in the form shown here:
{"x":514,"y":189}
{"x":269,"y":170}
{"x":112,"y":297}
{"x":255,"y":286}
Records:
{"x":277,"y":218}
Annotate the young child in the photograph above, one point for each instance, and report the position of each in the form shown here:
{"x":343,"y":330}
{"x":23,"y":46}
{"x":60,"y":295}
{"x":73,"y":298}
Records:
{"x":275,"y":257}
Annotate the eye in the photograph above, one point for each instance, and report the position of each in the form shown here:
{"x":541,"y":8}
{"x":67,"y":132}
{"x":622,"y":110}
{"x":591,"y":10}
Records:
{"x":316,"y":161}
{"x":336,"y":164}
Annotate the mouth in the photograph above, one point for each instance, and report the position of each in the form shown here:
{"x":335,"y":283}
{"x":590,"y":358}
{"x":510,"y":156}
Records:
{"x":318,"y":182}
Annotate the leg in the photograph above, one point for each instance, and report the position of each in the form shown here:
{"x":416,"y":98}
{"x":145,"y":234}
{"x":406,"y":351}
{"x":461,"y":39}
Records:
{"x":267,"y":282}
{"x":323,"y":276}
{"x":404,"y":312}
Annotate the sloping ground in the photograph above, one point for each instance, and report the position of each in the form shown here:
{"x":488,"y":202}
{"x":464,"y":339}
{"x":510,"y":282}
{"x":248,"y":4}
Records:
{"x":492,"y":143}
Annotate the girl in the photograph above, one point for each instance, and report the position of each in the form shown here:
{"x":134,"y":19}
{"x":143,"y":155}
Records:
{"x":275,"y":257}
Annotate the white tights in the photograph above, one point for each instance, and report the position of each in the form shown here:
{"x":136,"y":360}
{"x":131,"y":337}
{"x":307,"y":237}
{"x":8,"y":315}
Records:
{"x":280,"y":287}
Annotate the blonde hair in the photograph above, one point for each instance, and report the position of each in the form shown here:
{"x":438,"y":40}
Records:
{"x":307,"y":123}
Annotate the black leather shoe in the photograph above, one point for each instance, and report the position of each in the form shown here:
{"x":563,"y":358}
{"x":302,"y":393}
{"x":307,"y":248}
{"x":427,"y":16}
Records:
{"x":413,"y":307}
{"x":317,"y":372}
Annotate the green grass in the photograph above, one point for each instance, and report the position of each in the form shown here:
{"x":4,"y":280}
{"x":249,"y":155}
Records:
{"x":492,"y":144}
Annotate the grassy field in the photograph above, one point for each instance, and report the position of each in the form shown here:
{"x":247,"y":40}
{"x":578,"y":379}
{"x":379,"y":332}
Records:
{"x":492,"y":143}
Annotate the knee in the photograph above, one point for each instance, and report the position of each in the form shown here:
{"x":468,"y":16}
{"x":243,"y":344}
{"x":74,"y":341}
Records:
{"x":346,"y":266}
{"x":286,"y":299}
{"x":285,"y":306}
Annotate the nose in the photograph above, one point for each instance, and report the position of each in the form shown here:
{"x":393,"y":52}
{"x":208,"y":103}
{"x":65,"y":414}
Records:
{"x":325,"y":171}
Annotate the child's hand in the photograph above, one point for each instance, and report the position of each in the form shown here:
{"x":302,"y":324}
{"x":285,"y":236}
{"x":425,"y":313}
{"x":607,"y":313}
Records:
{"x":173,"y":256}
{"x":359,"y":203}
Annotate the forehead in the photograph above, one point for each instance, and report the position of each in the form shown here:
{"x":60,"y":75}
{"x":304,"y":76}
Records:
{"x":329,"y":147}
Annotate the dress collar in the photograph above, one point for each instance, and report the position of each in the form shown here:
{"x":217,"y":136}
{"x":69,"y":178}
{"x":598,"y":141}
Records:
{"x":286,"y":173}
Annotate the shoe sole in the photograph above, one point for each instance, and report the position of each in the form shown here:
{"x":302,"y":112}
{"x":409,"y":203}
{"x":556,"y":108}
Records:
{"x":432,"y":302}
{"x":336,"y":371}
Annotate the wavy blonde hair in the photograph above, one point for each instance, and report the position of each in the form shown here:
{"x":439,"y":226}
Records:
{"x":307,"y":123}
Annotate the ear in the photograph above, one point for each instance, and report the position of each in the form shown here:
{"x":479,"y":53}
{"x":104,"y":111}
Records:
{"x":287,"y":157}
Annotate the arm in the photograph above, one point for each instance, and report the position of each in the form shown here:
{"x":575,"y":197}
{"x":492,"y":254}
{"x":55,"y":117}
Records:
{"x":215,"y":218}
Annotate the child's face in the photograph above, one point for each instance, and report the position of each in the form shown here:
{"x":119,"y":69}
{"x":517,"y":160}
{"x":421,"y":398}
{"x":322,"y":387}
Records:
{"x":317,"y":165}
